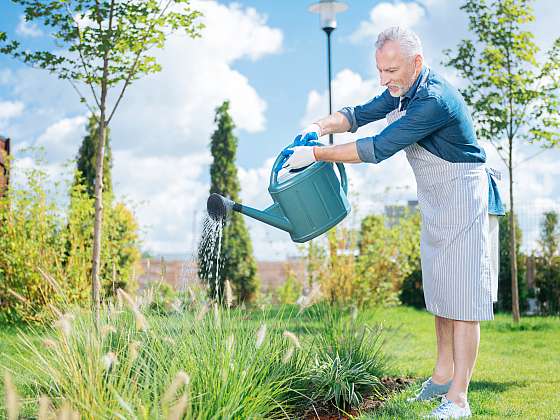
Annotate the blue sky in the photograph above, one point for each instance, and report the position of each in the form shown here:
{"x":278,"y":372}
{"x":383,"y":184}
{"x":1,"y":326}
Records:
{"x":269,"y":59}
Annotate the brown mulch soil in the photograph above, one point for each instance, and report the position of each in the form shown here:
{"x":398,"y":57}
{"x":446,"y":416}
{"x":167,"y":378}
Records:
{"x":371,"y":402}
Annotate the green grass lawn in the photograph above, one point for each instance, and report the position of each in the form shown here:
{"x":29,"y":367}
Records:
{"x":517,"y":372}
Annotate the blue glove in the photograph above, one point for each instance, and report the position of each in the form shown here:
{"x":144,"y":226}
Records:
{"x":309,"y":139}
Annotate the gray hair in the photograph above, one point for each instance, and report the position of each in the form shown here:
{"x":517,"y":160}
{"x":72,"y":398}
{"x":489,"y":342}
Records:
{"x":409,"y":42}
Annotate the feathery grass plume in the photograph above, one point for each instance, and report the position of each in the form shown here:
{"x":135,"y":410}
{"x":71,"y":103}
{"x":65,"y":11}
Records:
{"x":261,"y":333}
{"x":203,"y":311}
{"x":178,"y":410}
{"x":19,"y":297}
{"x":169,"y":340}
{"x":140,"y":319}
{"x":133,"y":350}
{"x":230,"y":343}
{"x":354,"y":314}
{"x":177,"y":305}
{"x":292,"y":337}
{"x":127,"y":299}
{"x":288,"y":355}
{"x":107,"y":329}
{"x":314,"y":295}
{"x":49,"y":343}
{"x":216,"y":313}
{"x":64,"y":324}
{"x":228,"y":294}
{"x":192,"y":296}
{"x":12,"y":398}
{"x":44,"y":408}
{"x":109,"y":360}
{"x":181,"y":379}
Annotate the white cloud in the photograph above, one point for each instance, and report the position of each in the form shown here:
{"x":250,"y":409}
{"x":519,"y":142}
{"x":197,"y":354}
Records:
{"x":62,"y":139}
{"x":385,"y":15}
{"x":9,"y":109}
{"x":27,"y":29}
{"x":160,"y":134}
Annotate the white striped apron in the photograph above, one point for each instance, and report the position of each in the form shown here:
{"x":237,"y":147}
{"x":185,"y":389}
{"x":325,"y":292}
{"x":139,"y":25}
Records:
{"x":455,"y":248}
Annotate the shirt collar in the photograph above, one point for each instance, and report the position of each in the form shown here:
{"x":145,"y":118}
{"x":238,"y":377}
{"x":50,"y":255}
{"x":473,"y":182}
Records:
{"x":410,"y":93}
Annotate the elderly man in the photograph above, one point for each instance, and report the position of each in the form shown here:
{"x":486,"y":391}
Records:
{"x":429,"y":120}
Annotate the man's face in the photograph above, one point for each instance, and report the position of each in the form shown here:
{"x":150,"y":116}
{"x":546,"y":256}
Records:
{"x":397,"y":71}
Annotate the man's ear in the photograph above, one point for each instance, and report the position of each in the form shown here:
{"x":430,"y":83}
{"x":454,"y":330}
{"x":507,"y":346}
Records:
{"x":418,"y":61}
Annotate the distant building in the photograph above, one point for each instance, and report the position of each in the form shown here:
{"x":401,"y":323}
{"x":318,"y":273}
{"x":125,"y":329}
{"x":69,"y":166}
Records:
{"x":4,"y":153}
{"x":394,"y":212}
{"x":180,"y":274}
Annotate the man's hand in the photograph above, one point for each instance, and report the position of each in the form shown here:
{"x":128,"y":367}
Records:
{"x":299,"y":157}
{"x":307,"y":133}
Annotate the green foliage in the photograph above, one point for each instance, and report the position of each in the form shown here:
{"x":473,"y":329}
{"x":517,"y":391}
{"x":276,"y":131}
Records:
{"x":388,"y":255}
{"x":511,"y":94}
{"x":102,"y":41}
{"x":289,"y":292}
{"x":87,"y":155}
{"x":38,"y":234}
{"x":513,"y":97}
{"x":504,"y":277}
{"x":31,"y":239}
{"x":101,"y":46}
{"x":236,"y":252}
{"x":548,"y":265}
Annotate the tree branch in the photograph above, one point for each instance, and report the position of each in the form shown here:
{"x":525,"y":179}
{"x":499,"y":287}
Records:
{"x":82,"y":98}
{"x":133,"y":67}
{"x":82,"y":60}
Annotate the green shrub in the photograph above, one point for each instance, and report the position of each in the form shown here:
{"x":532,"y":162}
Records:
{"x":412,"y":292}
{"x":388,"y":256}
{"x":290,"y":290}
{"x":45,"y":249}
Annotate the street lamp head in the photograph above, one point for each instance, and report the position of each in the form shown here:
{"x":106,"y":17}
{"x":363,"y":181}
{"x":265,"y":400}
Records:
{"x":327,"y":10}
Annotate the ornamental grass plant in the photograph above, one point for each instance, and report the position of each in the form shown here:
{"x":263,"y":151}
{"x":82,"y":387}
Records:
{"x":207,"y":362}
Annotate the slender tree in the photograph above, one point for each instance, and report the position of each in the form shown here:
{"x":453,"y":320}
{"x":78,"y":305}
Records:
{"x":514,"y":98}
{"x":85,"y":161}
{"x":101,"y":46}
{"x":236,"y":254}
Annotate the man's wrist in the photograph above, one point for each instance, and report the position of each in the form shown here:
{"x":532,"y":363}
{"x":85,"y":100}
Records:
{"x":316,"y":152}
{"x":318,"y":124}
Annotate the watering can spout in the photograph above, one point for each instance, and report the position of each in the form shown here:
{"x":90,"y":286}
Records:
{"x":219,"y":207}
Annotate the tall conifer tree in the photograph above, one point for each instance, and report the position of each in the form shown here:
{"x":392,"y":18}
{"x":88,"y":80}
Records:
{"x":236,"y":261}
{"x":86,"y":159}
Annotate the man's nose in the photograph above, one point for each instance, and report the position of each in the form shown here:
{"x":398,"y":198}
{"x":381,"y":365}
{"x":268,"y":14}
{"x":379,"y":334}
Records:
{"x":384,"y":79}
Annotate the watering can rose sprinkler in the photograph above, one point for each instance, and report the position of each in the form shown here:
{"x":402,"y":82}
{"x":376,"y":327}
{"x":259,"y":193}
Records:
{"x":306,"y":202}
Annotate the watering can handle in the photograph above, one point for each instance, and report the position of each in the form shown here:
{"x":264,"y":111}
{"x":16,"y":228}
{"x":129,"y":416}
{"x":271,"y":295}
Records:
{"x":340,"y":166}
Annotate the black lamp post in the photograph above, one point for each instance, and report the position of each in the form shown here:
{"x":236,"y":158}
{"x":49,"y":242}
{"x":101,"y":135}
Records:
{"x":327,"y":10}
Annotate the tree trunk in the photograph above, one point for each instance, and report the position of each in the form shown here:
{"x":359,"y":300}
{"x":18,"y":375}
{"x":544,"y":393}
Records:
{"x":97,"y":227}
{"x":512,"y":243}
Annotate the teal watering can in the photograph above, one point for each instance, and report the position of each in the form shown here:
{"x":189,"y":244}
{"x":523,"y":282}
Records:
{"x":306,"y":203}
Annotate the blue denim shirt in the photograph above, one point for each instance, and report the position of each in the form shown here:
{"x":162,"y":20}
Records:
{"x":437,"y":118}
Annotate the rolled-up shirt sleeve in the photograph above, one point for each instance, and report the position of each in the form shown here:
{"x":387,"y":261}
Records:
{"x":374,"y":110}
{"x":423,"y":117}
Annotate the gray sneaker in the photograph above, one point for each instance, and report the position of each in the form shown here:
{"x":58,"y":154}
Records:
{"x":449,"y":410}
{"x":430,"y":390}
